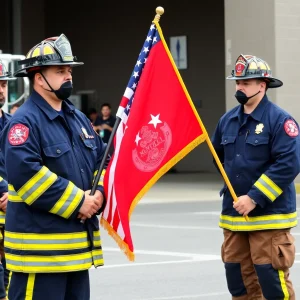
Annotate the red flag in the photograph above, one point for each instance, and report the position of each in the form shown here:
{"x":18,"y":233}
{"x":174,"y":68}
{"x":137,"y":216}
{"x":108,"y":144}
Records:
{"x":159,"y":126}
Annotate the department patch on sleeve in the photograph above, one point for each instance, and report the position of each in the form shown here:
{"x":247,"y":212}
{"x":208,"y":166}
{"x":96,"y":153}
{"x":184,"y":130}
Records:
{"x":18,"y":134}
{"x":291,"y":128}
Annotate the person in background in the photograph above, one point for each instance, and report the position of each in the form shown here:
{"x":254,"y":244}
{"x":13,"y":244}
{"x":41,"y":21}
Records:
{"x":95,"y":119}
{"x":14,"y":108}
{"x":107,"y":122}
{"x":5,"y":76}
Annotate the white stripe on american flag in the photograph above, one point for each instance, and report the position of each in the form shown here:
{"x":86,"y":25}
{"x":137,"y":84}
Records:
{"x":128,"y":93}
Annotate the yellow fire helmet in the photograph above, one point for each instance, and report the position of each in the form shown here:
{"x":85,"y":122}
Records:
{"x":251,"y":67}
{"x":4,"y":74}
{"x":53,"y":51}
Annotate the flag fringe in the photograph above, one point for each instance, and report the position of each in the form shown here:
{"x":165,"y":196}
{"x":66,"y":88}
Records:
{"x":122,"y":245}
{"x":166,"y":167}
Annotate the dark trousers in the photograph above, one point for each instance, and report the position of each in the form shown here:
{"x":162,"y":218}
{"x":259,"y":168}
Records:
{"x":41,"y":286}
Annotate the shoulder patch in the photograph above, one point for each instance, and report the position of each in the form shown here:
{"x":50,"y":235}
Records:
{"x":18,"y":134}
{"x":291,"y":128}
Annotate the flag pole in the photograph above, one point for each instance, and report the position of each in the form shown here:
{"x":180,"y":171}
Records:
{"x":216,"y":157}
{"x":101,"y":167}
{"x":159,"y":11}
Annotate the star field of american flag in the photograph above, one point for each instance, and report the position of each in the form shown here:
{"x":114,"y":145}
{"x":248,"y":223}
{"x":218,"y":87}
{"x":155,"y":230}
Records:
{"x":151,"y":39}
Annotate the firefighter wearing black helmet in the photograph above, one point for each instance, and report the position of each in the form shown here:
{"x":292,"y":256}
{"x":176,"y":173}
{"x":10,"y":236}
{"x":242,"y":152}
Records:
{"x":5,"y":76}
{"x":258,"y":143}
{"x":56,"y":153}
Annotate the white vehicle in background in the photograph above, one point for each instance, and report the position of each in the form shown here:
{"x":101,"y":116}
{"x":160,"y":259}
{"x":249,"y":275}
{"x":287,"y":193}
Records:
{"x":19,"y":89}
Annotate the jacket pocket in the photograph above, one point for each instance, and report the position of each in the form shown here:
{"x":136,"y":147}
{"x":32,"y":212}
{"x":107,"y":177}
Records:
{"x":57,"y":150}
{"x":257,"y":147}
{"x":283,"y":251}
{"x":228,"y":142}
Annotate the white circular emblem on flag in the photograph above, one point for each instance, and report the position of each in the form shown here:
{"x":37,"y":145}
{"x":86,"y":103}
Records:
{"x":291,"y":128}
{"x":152,"y":145}
{"x":18,"y":134}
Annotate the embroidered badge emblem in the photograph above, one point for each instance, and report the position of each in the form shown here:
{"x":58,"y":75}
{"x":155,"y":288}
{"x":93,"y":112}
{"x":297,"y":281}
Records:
{"x":18,"y":134}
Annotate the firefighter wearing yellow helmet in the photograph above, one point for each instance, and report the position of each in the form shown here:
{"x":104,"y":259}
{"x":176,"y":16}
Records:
{"x":52,"y":154}
{"x":259,"y":145}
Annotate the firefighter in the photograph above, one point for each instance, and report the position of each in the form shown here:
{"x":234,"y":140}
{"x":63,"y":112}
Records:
{"x":258,"y":143}
{"x":52,"y":155}
{"x":5,"y":76}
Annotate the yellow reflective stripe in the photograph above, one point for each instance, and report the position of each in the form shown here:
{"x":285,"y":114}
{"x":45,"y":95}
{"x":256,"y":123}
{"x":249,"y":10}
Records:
{"x":260,"y":218}
{"x":271,"y":183}
{"x":283,"y":285}
{"x":12,"y":195}
{"x":48,"y":259}
{"x":258,"y":223}
{"x":68,"y":202}
{"x":257,"y":227}
{"x":268,"y":187}
{"x":264,"y":190}
{"x":46,"y":269}
{"x":29,"y":287}
{"x":42,"y":189}
{"x":73,"y":204}
{"x":46,"y":236}
{"x":2,"y":217}
{"x":42,"y":242}
{"x":96,"y":239}
{"x":1,"y":178}
{"x":54,"y":263}
{"x":29,"y":184}
{"x":101,"y":179}
{"x":37,"y":185}
{"x":45,"y":247}
{"x":61,"y":201}
{"x":98,"y":257}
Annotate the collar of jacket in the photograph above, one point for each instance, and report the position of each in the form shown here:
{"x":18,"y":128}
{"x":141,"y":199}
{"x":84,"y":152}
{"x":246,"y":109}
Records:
{"x":6,"y":116}
{"x":256,"y":114}
{"x":51,"y":113}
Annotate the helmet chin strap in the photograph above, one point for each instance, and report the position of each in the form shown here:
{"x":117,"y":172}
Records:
{"x":51,"y":89}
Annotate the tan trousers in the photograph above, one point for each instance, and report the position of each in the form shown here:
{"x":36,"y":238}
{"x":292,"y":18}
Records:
{"x":257,"y":264}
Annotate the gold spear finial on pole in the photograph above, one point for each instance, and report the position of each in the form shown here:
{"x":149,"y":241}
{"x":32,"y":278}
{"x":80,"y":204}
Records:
{"x":159,"y":11}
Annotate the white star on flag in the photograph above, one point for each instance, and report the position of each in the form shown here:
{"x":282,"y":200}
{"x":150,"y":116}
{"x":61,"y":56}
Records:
{"x":138,"y":63}
{"x":146,"y":49}
{"x":148,"y":39}
{"x":155,"y":120}
{"x":137,"y":139}
{"x":135,"y":74}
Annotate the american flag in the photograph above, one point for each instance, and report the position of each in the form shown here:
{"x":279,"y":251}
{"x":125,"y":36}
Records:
{"x":111,"y":214}
{"x":148,"y":140}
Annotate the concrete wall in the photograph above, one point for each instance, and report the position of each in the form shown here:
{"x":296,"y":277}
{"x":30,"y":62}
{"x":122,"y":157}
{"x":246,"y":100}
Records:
{"x":287,"y":45}
{"x":249,"y":29}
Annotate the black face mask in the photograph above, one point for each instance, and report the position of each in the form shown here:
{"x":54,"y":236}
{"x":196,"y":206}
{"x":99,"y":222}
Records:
{"x":65,"y":90}
{"x":242,"y":98}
